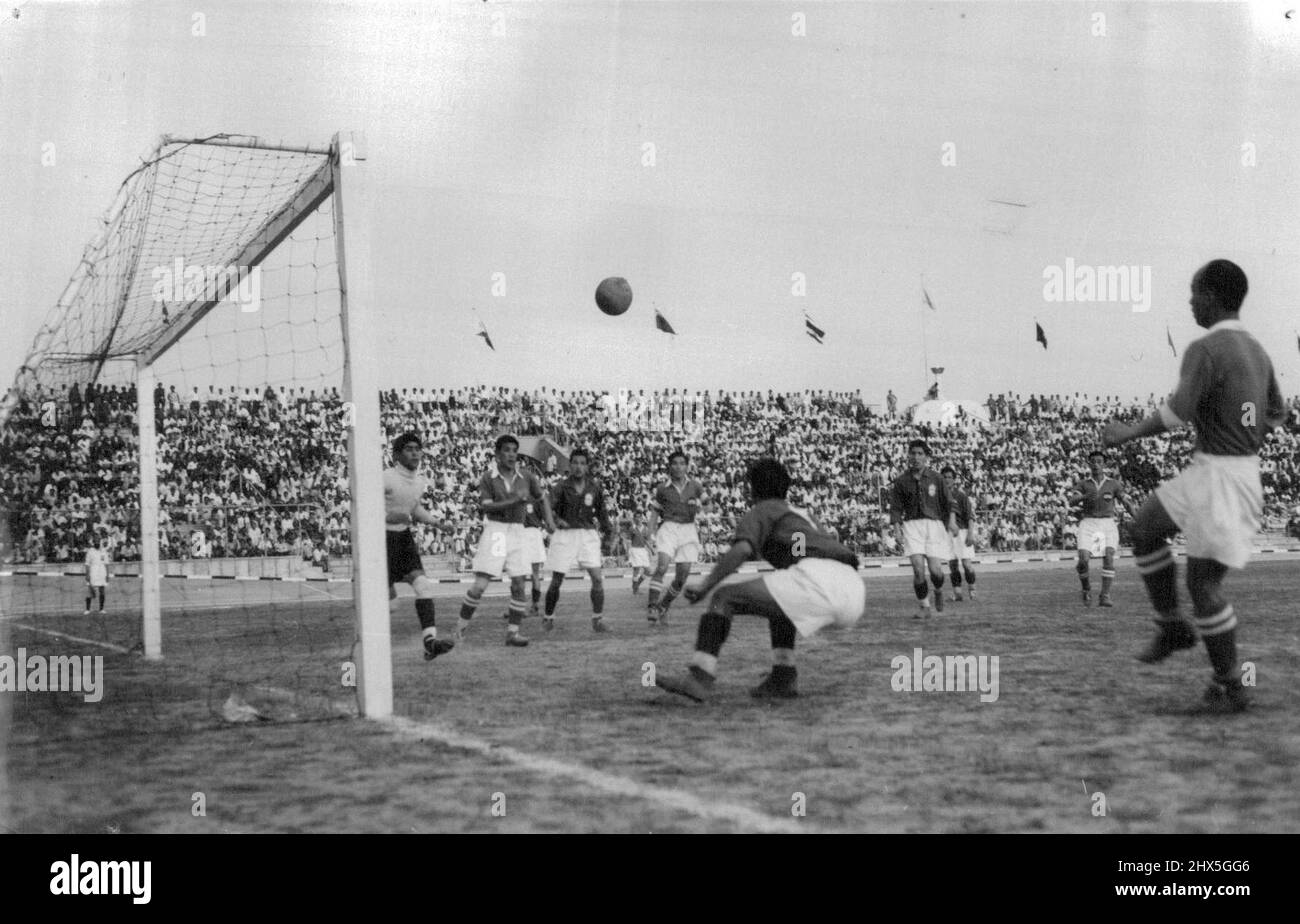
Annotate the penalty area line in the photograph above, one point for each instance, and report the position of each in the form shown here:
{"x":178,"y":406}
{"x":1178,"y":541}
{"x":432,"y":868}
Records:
{"x":709,"y":809}
{"x":73,"y":638}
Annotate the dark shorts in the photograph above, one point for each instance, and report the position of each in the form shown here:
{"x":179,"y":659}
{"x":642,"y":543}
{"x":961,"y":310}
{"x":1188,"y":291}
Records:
{"x":403,"y":556}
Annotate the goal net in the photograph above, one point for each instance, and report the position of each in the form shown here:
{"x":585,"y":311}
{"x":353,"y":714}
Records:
{"x":181,"y":432}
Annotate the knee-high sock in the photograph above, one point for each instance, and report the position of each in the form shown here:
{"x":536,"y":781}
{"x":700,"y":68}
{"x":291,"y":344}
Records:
{"x":1219,"y":630}
{"x":970,"y":575}
{"x":424,"y":612}
{"x":712,"y":632}
{"x":920,"y":588}
{"x":469,"y":604}
{"x":782,"y":632}
{"x":671,"y":591}
{"x":517,"y":608}
{"x":1160,"y":575}
{"x":937,"y":581}
{"x":597,"y":597}
{"x":553,"y":594}
{"x":1084,"y":580}
{"x":955,"y":571}
{"x":656,"y":588}
{"x":1107,"y":576}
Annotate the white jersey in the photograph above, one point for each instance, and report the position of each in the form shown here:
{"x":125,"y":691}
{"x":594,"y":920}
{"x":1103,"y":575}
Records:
{"x":403,"y":489}
{"x":97,"y":567}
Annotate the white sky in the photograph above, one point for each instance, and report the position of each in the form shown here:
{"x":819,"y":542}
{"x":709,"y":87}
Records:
{"x":508,"y":138}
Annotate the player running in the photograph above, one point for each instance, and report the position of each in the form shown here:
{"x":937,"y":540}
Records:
{"x":1098,"y":534}
{"x":404,"y":488}
{"x":507,"y":493}
{"x":920,"y":508}
{"x":816,"y":584}
{"x":1228,"y":390}
{"x":97,"y":559}
{"x":963,"y":544}
{"x":578,"y":505}
{"x":673,"y":507}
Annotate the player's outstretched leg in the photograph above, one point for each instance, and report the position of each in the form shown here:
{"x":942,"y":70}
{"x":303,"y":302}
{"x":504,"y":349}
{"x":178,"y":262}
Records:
{"x":729,"y":600}
{"x":470,"y":603}
{"x":682,"y":575}
{"x":955,"y":573}
{"x":552,"y":598}
{"x":920,"y":587}
{"x":597,"y":600}
{"x":424,"y":611}
{"x":518,"y":606}
{"x":1217,"y":623}
{"x":1107,"y":577}
{"x":1155,"y":562}
{"x":1085,"y":582}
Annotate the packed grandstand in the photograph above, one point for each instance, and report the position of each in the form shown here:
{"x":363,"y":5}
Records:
{"x":263,"y":472}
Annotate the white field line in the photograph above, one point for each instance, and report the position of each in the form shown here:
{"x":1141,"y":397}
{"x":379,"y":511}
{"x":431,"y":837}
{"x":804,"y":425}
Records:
{"x":709,"y":809}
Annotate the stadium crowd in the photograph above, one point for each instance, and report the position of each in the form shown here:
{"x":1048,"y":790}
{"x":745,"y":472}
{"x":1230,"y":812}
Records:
{"x":263,"y":472}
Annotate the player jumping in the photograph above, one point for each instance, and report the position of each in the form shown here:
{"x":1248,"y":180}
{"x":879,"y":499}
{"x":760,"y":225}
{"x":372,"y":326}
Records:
{"x":816,"y":584}
{"x":1098,"y":534}
{"x":1228,"y":390}
{"x":578,"y":505}
{"x":920,"y":508}
{"x":403,"y":489}
{"x":675,"y":502}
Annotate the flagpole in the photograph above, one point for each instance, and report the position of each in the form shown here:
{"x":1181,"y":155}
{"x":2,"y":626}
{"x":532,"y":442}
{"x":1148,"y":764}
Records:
{"x":925,"y":349}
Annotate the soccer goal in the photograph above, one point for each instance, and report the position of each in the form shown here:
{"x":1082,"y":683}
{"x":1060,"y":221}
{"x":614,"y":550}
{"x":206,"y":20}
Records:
{"x":200,"y":406}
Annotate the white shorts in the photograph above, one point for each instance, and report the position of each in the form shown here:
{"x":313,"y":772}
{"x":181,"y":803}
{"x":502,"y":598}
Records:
{"x":501,"y":547}
{"x":679,"y":541}
{"x":1218,"y":503}
{"x":534,"y":546}
{"x":1097,"y":534}
{"x":926,"y":537}
{"x":817,"y":592}
{"x":963,"y":545}
{"x":573,"y":548}
{"x":638,"y":556}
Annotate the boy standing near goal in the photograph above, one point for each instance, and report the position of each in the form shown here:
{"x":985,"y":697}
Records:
{"x":1228,"y":390}
{"x":404,"y":488}
{"x":96,"y":574}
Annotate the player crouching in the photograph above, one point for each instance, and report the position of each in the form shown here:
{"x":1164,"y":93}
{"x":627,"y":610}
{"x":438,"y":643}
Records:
{"x":816,"y":584}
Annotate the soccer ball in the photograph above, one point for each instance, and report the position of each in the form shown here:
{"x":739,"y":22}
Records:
{"x":613,"y":295}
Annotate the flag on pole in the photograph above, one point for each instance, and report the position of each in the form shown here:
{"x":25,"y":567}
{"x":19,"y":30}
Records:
{"x":662,"y":323}
{"x":1039,"y":335}
{"x":927,"y":299}
{"x":484,"y":334}
{"x":1170,"y":337}
{"x":812,"y":330}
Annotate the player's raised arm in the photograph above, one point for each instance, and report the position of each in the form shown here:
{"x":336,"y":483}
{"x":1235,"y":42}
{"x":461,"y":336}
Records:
{"x":1177,"y":409}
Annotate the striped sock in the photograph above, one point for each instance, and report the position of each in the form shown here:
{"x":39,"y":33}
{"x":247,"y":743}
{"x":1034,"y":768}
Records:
{"x":1107,"y":578}
{"x":468,"y":606}
{"x":1160,"y":575}
{"x":516,"y":615}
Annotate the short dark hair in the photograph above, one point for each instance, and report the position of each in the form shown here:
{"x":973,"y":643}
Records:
{"x":919,"y":444}
{"x":580,"y":452}
{"x":1096,"y":452}
{"x":503,"y":439}
{"x":1227,"y":281}
{"x":768,"y":479}
{"x":405,"y":440}
{"x":676,"y":453}
{"x":948,"y":470}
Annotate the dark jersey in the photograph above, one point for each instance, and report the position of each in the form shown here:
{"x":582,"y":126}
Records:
{"x":1099,"y":497}
{"x":1227,"y":389}
{"x":677,"y":506}
{"x":920,"y":497}
{"x":783,"y":535}
{"x":961,"y":506}
{"x":494,"y":486}
{"x":580,"y":508}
